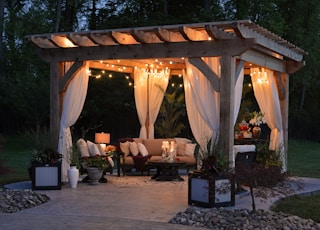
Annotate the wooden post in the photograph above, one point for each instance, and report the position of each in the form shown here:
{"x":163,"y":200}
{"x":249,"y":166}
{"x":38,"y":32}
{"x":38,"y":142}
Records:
{"x":56,"y":72}
{"x":284,"y":105}
{"x":227,"y":83}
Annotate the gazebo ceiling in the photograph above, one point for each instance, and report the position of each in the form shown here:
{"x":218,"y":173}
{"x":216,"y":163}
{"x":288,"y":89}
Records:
{"x":166,"y":46}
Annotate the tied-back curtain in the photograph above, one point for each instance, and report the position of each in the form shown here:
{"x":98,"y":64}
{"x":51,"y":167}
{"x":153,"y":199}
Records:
{"x":266,"y":93}
{"x":202,"y":103}
{"x":141,"y":98}
{"x":149,"y":91}
{"x":72,"y":106}
{"x":238,"y":94}
{"x":157,"y":88}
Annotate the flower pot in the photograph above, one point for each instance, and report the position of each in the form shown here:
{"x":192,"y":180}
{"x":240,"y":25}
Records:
{"x":210,"y":190}
{"x":256,"y":131}
{"x":94,"y":175}
{"x":73,"y":176}
{"x":46,"y":176}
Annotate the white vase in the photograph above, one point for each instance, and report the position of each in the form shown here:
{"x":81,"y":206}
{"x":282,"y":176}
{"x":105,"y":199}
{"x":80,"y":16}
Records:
{"x":73,"y":176}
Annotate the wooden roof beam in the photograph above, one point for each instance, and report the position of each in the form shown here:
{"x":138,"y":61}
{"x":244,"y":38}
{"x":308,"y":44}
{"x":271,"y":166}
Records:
{"x":123,"y":38}
{"x":262,"y":59}
{"x":62,"y":41}
{"x":43,"y":43}
{"x":145,"y":37}
{"x":169,"y":36}
{"x":218,"y":33}
{"x":193,"y":34}
{"x":268,"y":43}
{"x":233,"y":47}
{"x":81,"y":40}
{"x":102,"y":39}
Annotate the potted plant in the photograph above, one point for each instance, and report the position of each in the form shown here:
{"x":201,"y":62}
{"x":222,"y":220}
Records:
{"x":95,"y":167}
{"x":44,"y":169}
{"x":213,"y":185}
{"x":44,"y":165}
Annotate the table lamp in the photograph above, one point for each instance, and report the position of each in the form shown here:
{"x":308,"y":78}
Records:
{"x":102,"y":139}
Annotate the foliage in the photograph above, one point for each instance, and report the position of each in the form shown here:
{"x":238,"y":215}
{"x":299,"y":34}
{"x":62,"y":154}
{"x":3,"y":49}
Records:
{"x":257,"y":118}
{"x":74,"y":156}
{"x":43,"y":147}
{"x":172,"y":111}
{"x":215,"y":160}
{"x":267,"y":157}
{"x":97,"y":162}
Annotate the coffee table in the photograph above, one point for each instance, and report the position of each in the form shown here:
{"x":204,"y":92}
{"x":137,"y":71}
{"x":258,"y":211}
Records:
{"x":166,"y":170}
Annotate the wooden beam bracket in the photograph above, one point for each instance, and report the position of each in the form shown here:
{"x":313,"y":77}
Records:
{"x":69,"y":75}
{"x":207,"y":72}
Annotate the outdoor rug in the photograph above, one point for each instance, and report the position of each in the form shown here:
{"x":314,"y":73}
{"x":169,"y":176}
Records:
{"x":138,"y":181}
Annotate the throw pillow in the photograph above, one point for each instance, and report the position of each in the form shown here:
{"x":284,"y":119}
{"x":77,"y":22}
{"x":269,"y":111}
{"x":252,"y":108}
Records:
{"x":83,"y":148}
{"x":189,"y":151}
{"x":181,"y":149}
{"x":93,"y":149}
{"x":101,"y":150}
{"x":133,"y":148}
{"x":142,"y":149}
{"x":125,"y":148}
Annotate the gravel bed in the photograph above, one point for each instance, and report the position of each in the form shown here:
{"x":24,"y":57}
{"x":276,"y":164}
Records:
{"x":16,"y":200}
{"x":221,"y":218}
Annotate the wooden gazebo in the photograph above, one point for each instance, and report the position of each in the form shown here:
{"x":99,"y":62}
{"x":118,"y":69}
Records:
{"x":237,"y":43}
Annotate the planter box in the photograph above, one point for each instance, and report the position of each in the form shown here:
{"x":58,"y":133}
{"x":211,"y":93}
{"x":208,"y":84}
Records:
{"x":46,"y":176}
{"x":210,"y":190}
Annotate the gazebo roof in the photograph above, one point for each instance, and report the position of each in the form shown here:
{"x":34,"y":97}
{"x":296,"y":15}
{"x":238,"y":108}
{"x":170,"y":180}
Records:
{"x":167,"y":45}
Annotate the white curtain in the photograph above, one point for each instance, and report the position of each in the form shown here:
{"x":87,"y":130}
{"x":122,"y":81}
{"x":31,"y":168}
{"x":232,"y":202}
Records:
{"x":238,"y":94}
{"x":141,"y":98}
{"x":72,"y":106}
{"x":157,"y":88}
{"x":149,"y":92}
{"x":202,"y":103}
{"x":266,"y":93}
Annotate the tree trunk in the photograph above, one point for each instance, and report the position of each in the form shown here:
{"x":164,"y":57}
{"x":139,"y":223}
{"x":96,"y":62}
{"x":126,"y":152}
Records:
{"x":302,"y":98}
{"x":2,"y":65}
{"x":58,"y":16}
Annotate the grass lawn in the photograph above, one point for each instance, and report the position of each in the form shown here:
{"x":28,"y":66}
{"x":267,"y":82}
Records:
{"x":14,"y":155}
{"x":307,"y":207}
{"x":304,"y":158}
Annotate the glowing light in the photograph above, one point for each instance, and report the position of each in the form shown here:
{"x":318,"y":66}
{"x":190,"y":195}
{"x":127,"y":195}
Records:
{"x":110,"y":76}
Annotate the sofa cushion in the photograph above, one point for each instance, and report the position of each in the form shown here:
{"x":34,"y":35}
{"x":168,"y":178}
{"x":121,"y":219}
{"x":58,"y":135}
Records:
{"x":125,"y":148}
{"x":142,"y":150}
{"x":133,"y":148}
{"x":189,"y":151}
{"x":93,"y":149}
{"x":137,"y":140}
{"x":83,"y":148}
{"x":181,"y":147}
{"x":154,"y":146}
{"x":101,"y":150}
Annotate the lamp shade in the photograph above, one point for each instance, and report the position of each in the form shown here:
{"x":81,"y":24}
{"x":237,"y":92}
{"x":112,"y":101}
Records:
{"x":102,"y":138}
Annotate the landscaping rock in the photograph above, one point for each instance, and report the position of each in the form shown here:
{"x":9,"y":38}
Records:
{"x":221,"y":218}
{"x":16,"y":200}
